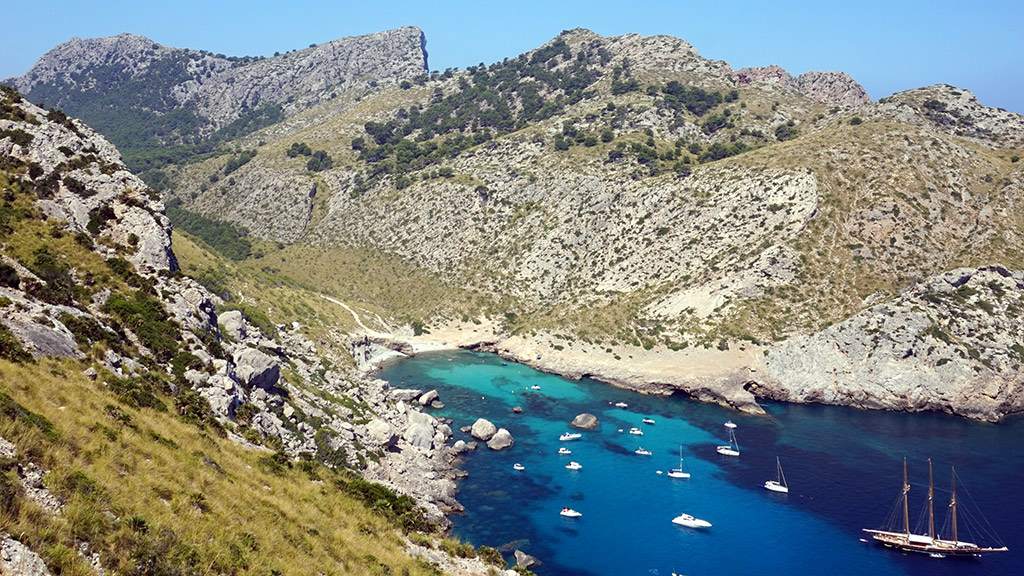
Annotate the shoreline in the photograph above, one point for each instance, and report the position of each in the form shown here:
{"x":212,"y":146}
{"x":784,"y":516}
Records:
{"x":706,"y":375}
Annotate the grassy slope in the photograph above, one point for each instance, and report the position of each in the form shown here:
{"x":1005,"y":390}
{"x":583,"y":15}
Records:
{"x":140,"y":484}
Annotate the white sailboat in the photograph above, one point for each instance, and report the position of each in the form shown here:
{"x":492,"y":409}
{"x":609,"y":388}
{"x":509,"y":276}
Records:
{"x":733,"y":449}
{"x":778,"y":485}
{"x":679,"y":472}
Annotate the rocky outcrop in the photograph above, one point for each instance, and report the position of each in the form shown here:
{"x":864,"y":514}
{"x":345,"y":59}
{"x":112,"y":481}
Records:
{"x":836,"y":88}
{"x":952,"y":111}
{"x":951,"y":344}
{"x":586,"y":421}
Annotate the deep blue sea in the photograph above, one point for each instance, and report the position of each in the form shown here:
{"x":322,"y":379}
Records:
{"x":843,"y":467}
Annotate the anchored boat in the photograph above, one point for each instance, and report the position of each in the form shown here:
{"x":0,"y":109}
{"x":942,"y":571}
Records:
{"x":931,"y":543}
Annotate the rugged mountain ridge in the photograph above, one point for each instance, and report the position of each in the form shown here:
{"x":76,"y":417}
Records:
{"x":145,"y":96}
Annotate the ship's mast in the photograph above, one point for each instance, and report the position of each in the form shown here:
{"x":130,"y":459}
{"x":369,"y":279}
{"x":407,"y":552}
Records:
{"x":952,"y":505}
{"x":906,"y":512}
{"x":931,"y":509}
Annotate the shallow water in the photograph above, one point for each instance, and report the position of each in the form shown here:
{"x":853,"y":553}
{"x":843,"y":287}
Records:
{"x":843,"y":467}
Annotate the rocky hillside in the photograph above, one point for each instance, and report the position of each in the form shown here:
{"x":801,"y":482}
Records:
{"x":626,"y":193}
{"x":650,"y":197}
{"x":90,"y":289}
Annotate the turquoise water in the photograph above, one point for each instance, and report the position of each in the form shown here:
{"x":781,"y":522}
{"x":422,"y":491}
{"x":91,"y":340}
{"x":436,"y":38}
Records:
{"x":843,"y":467}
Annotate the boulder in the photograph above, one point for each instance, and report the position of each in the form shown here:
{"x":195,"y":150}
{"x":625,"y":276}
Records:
{"x":586,"y":421}
{"x":380,"y":433}
{"x":233,"y":324}
{"x":483,"y":429}
{"x":428,"y":397}
{"x":256,"y":369}
{"x":502,"y":439}
{"x":420,"y":435}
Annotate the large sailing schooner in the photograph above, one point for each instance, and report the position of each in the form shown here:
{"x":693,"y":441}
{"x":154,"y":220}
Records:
{"x":931,"y":543}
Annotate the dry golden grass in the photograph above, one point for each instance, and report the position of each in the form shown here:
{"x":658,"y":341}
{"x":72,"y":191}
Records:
{"x":141,"y":484}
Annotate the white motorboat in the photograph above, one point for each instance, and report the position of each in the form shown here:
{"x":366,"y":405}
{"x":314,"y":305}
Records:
{"x":679,"y":472}
{"x":729,"y":424}
{"x":518,"y":466}
{"x":636,"y":431}
{"x":564,"y":450}
{"x":570,"y":436}
{"x":534,"y":387}
{"x":574,"y":465}
{"x":641,"y":451}
{"x":690,"y":521}
{"x":779,"y":484}
{"x":648,"y":420}
{"x":569,"y":512}
{"x":621,"y":404}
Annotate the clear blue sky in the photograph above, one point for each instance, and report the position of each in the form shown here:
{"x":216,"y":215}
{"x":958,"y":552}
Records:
{"x":888,"y":46}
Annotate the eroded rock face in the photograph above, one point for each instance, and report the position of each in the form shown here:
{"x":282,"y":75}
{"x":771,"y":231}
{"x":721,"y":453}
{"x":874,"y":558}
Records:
{"x":836,"y":88}
{"x":948,"y":345}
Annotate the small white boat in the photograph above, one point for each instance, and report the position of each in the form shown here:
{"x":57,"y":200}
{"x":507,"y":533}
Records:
{"x":569,"y":512}
{"x":733,"y":449}
{"x":570,"y":436}
{"x":636,"y":431}
{"x":621,"y":404}
{"x":679,"y":472}
{"x":574,"y":465}
{"x":564,"y":450}
{"x":641,"y":451}
{"x":778,"y":485}
{"x":648,"y":421}
{"x":518,"y":466}
{"x":729,"y":424}
{"x":690,"y":521}
{"x":534,"y":387}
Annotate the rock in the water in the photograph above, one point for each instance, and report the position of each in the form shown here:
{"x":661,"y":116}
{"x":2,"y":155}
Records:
{"x":524,"y":560}
{"x":502,"y":439}
{"x":483,"y":429}
{"x":517,"y":409}
{"x":586,"y":421}
{"x":428,"y":397}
